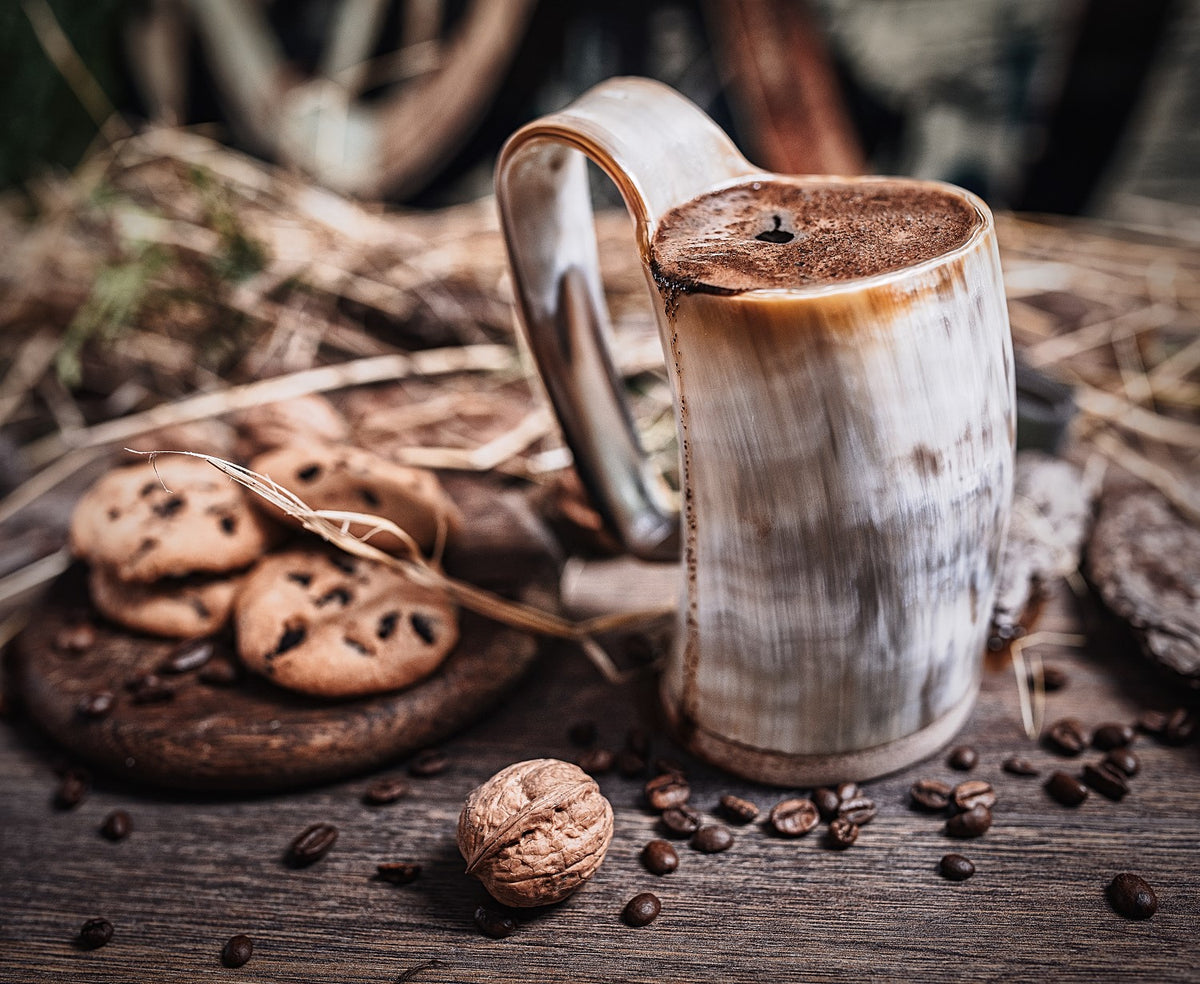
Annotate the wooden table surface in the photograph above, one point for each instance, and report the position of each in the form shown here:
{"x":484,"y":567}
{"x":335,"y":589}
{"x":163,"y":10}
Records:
{"x":197,"y":870}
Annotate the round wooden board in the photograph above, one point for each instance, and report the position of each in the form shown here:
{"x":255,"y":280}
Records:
{"x":253,"y":735}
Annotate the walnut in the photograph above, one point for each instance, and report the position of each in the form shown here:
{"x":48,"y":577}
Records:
{"x":535,"y":831}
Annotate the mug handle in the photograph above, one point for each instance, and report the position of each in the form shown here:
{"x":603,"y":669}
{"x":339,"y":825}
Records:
{"x":660,"y":150}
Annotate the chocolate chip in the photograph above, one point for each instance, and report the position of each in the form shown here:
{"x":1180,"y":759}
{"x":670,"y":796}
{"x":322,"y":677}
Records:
{"x":292,"y":637}
{"x":423,"y":627}
{"x":309,"y":473}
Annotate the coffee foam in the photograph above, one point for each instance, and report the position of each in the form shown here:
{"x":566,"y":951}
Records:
{"x":834,"y":232}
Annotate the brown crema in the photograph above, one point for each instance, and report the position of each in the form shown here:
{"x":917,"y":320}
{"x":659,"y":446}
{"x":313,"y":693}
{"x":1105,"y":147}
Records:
{"x":775,"y":234}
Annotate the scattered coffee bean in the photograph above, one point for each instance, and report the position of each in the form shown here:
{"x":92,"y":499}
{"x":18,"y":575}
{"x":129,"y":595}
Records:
{"x":681,"y":821}
{"x":95,"y":933}
{"x":1053,"y":678}
{"x":630,"y":765}
{"x":1123,"y":760}
{"x":1132,"y":897}
{"x":1152,"y":722}
{"x":662,"y":765}
{"x":149,"y":689}
{"x":973,"y":793}
{"x":974,"y":822}
{"x":117,"y":825}
{"x":827,"y":802}
{"x":76,"y":638}
{"x":642,"y":909}
{"x":72,"y":790}
{"x":1017,"y":766}
{"x":1066,"y":789}
{"x":637,"y":740}
{"x":429,"y":763}
{"x":932,"y":795}
{"x":312,"y":844}
{"x":712,"y":838}
{"x":667,"y":790}
{"x":220,"y":673}
{"x":1109,"y":736}
{"x":1180,"y":727}
{"x":1067,"y":737}
{"x":189,"y":656}
{"x":738,"y":810}
{"x":582,"y":733}
{"x":237,"y":950}
{"x":96,"y":705}
{"x":794,"y":817}
{"x":847,"y":790}
{"x":494,"y":924}
{"x":842,"y":833}
{"x":397,"y":872}
{"x":955,"y":867}
{"x":659,"y":857}
{"x":385,"y":790}
{"x":1106,"y":780}
{"x":964,"y":758}
{"x":859,"y":810}
{"x":597,"y":761}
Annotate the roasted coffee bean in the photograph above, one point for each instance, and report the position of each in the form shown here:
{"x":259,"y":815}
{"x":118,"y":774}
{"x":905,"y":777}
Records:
{"x":429,"y":763}
{"x":117,"y":825}
{"x":1152,"y":722}
{"x":312,"y":844}
{"x":1053,"y":678}
{"x":75,"y":638}
{"x":955,"y":867}
{"x":397,"y":872}
{"x":1067,"y":737}
{"x":96,"y":705}
{"x":1132,"y":897}
{"x":72,"y":789}
{"x":659,"y":857}
{"x":641,"y":910}
{"x":847,"y":790}
{"x":582,"y":733}
{"x":974,"y":822}
{"x":973,"y":793}
{"x":712,"y":838}
{"x":220,"y":673}
{"x":681,"y":821}
{"x":794,"y":817}
{"x":1180,"y":727}
{"x":737,"y":809}
{"x":385,"y":790}
{"x":597,"y":761}
{"x":494,"y":924}
{"x":930,"y":794}
{"x":842,"y":833}
{"x":237,"y":950}
{"x":1017,"y":766}
{"x":630,"y":765}
{"x":1123,"y":760}
{"x":859,"y":810}
{"x":1109,"y":736}
{"x":189,"y":656}
{"x":1106,"y":780}
{"x":667,"y":790}
{"x":1066,"y":789}
{"x":149,"y":689}
{"x":95,"y":933}
{"x":827,"y":802}
{"x":637,"y":740}
{"x":963,"y":757}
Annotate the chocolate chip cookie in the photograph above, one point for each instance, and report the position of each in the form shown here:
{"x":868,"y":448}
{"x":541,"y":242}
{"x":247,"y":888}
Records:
{"x":178,"y":608}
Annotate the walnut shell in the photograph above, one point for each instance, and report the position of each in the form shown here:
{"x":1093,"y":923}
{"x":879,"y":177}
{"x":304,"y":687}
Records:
{"x":535,"y":831}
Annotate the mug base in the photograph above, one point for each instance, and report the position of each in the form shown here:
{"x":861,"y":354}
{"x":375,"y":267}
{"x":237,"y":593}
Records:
{"x":775,"y":768}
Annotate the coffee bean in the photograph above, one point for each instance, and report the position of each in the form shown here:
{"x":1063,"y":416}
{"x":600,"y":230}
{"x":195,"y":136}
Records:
{"x":117,"y":825}
{"x":237,"y":950}
{"x":859,"y":810}
{"x":973,"y":793}
{"x":1017,"y":766}
{"x":189,"y":656}
{"x":1180,"y":727}
{"x":1152,"y":722}
{"x":494,"y":924}
{"x":1109,"y":736}
{"x":1123,"y":760}
{"x":582,"y":733}
{"x":681,"y":821}
{"x":842,"y":833}
{"x":667,"y":790}
{"x":149,"y":689}
{"x":737,"y":809}
{"x":1132,"y":897}
{"x":1053,"y":678}
{"x":712,"y":838}
{"x":397,"y":872}
{"x":932,"y":795}
{"x":794,"y":817}
{"x":637,"y":740}
{"x":662,"y":765}
{"x":72,"y":790}
{"x":597,"y":761}
{"x":220,"y":673}
{"x":847,"y":790}
{"x":630,"y":765}
{"x":1066,"y":789}
{"x":75,"y":638}
{"x":385,"y":790}
{"x":96,"y":705}
{"x":312,"y":844}
{"x":429,"y":763}
{"x":827,"y":802}
{"x":955,"y":867}
{"x":1106,"y":780}
{"x":964,"y":758}
{"x":95,"y":933}
{"x":659,"y":857}
{"x":974,"y":822}
{"x":641,"y":910}
{"x":1067,"y":737}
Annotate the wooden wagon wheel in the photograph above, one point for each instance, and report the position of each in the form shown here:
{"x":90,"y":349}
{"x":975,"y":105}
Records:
{"x":436,"y":87}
